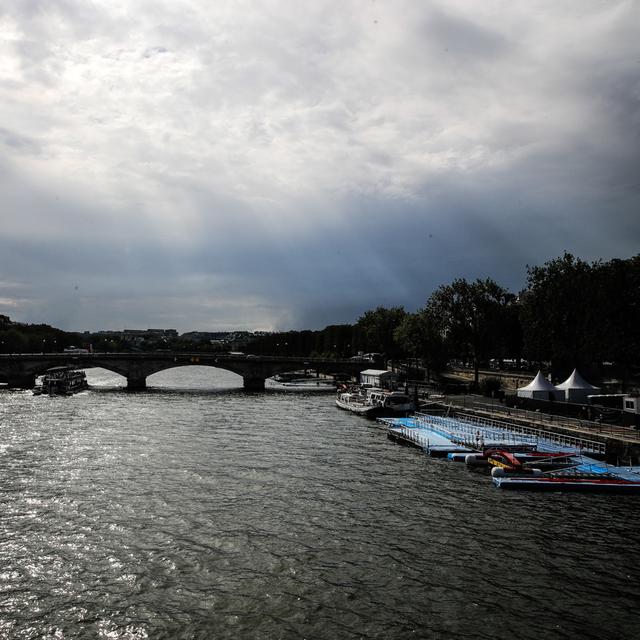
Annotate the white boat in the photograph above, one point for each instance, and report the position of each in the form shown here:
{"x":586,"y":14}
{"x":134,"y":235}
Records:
{"x":320,"y":384}
{"x":375,"y":402}
{"x":391,"y":402}
{"x":63,"y":381}
{"x":356,"y":402}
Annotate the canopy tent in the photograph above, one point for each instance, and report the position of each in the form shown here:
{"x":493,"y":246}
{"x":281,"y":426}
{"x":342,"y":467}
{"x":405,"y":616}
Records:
{"x":575,"y":388}
{"x":539,"y":388}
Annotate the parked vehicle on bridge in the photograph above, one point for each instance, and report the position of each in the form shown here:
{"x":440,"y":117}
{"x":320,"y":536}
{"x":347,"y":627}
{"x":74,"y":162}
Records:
{"x":73,"y":349}
{"x":367,"y":357}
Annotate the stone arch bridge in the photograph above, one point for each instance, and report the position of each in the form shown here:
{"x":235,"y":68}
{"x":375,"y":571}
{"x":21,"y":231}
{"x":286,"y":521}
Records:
{"x":20,"y":370}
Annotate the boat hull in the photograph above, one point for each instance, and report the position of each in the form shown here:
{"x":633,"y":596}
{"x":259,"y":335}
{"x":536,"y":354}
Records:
{"x":609,"y":485}
{"x":358,"y":409}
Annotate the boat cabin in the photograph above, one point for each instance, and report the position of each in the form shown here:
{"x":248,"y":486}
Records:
{"x":379,"y":378}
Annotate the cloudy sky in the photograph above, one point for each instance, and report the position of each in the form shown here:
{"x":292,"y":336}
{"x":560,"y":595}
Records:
{"x":280,"y":164}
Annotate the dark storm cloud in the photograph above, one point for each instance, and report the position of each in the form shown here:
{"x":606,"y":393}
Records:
{"x":287,"y":165}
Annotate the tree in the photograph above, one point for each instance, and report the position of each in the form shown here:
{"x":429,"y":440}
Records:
{"x":615,"y":314}
{"x":469,"y":316}
{"x":419,"y":336}
{"x":557,"y":313}
{"x":15,"y":341}
{"x":378,"y":327}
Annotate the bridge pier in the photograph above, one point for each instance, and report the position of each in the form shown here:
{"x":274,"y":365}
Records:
{"x":21,"y":381}
{"x":253,"y":383}
{"x":136,"y":383}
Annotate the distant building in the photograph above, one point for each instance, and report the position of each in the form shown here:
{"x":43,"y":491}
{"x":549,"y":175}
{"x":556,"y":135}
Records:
{"x":229,"y":339}
{"x":139,"y":336}
{"x":204,"y":336}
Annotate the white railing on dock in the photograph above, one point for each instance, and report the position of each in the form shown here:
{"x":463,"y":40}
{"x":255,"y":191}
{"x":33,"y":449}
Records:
{"x":470,"y":436}
{"x":413,"y":435}
{"x":464,"y":428}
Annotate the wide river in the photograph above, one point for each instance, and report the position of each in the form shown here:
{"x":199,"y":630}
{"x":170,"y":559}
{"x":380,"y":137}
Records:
{"x":196,"y":510}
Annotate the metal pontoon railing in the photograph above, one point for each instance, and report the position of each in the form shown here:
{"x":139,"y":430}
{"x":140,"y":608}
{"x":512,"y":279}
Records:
{"x":464,"y":429}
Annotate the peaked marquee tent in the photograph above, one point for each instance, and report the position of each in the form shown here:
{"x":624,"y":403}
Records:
{"x":539,"y":388}
{"x":575,"y":388}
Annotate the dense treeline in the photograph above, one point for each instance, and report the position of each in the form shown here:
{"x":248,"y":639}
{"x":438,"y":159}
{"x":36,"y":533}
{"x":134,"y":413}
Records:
{"x":576,"y":313}
{"x":33,"y":338}
{"x":571,"y":314}
{"x":373,"y":333}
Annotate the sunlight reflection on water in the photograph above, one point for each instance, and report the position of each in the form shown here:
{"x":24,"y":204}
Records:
{"x":196,"y":510}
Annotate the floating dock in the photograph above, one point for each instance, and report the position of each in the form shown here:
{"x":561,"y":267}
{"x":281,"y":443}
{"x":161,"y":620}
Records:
{"x":433,"y":441}
{"x":469,"y":439}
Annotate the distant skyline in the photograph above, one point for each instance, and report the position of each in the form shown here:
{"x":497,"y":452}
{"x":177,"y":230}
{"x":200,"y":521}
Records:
{"x":281,"y":165}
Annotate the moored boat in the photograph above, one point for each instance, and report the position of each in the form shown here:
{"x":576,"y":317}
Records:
{"x":375,"y":403}
{"x":572,"y":482}
{"x":584,"y":476}
{"x":356,"y":402}
{"x":391,"y":403}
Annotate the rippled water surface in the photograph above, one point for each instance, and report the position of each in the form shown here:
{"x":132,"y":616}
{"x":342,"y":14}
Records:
{"x":196,"y":510}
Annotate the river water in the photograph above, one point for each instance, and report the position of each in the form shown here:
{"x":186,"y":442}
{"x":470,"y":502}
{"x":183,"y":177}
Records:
{"x":196,"y":510}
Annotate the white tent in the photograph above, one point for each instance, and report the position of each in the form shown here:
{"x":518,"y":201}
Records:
{"x":539,"y":388}
{"x":575,"y":388}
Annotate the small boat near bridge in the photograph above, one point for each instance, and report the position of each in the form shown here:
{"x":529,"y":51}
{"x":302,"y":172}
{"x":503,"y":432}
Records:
{"x":62,"y":381}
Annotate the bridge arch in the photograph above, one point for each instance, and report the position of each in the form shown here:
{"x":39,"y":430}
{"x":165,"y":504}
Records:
{"x":20,"y":370}
{"x":195,"y":376}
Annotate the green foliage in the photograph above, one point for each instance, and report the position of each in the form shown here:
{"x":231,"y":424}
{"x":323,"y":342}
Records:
{"x":470,"y":317}
{"x":378,"y":329}
{"x":577,"y":314}
{"x":418,"y":335}
{"x":342,"y":341}
{"x":615,"y":312}
{"x":555,"y":311}
{"x":13,"y":341}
